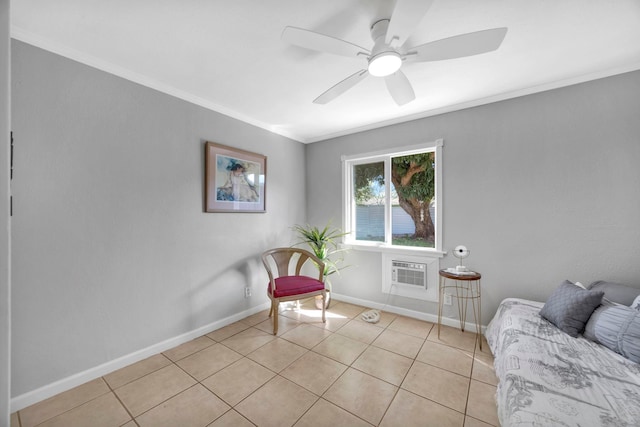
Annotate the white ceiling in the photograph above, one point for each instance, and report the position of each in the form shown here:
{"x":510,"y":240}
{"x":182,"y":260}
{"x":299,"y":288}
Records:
{"x":227,"y":55}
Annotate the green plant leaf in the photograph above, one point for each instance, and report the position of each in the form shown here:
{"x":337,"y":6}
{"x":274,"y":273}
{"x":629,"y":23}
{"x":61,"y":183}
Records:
{"x":324,"y":244}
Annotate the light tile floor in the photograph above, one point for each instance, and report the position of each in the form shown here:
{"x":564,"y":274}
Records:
{"x":343,"y":373}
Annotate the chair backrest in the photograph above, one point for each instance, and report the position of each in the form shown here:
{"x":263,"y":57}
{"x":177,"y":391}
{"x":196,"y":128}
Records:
{"x":280,"y":262}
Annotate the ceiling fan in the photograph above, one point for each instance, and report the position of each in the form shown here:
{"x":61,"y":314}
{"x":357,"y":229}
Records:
{"x":389,"y":52}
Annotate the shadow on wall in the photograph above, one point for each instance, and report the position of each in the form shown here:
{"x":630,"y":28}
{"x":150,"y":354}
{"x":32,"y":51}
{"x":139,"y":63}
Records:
{"x":223,"y":295}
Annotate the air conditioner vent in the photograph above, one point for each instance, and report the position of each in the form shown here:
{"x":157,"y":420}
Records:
{"x":409,"y":273}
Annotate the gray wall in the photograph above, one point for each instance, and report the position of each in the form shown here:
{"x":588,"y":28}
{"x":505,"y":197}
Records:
{"x":541,"y":188}
{"x":4,"y":217}
{"x":112,"y":252}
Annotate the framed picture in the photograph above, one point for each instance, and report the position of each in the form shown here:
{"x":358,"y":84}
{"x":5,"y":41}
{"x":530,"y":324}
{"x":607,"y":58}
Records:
{"x":235,"y":180}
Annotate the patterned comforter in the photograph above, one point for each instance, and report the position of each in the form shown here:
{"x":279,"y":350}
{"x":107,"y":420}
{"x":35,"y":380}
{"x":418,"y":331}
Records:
{"x":548,"y":378}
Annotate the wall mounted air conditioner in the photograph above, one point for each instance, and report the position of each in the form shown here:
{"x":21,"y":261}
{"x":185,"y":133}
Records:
{"x":410,"y":276}
{"x":409,"y":273}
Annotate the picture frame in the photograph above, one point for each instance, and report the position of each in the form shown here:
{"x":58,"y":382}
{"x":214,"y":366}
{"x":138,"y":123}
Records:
{"x":235,"y":180}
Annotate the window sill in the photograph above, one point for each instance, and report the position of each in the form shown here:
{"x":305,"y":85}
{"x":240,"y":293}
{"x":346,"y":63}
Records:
{"x":382,"y":248}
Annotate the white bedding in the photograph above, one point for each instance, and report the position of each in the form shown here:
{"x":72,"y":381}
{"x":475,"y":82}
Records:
{"x":548,"y":378}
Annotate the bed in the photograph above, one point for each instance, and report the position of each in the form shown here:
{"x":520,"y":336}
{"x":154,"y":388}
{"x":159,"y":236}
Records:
{"x":549,"y":378}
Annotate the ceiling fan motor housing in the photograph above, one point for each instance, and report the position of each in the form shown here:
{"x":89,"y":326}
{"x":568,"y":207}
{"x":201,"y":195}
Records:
{"x":384,"y":60}
{"x":379,"y":29}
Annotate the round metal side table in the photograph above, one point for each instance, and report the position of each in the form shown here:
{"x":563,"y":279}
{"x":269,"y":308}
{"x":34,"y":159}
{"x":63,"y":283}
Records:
{"x":466,"y":287}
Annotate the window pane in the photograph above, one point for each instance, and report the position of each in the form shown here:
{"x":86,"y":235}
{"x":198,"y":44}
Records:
{"x":413,"y":200}
{"x":369,"y":197}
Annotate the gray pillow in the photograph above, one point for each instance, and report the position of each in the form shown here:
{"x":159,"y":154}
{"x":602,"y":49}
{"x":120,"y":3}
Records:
{"x":569,"y":307}
{"x":616,"y":292}
{"x":616,"y":327}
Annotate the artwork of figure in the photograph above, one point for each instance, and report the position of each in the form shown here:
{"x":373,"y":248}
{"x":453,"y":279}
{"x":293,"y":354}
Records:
{"x":240,"y":183}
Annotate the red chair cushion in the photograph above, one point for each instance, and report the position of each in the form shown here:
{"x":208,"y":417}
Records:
{"x":295,"y":285}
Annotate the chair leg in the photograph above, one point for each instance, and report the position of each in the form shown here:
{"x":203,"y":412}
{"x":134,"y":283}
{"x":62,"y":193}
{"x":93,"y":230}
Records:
{"x":324,"y":298}
{"x":271,"y":309}
{"x":275,"y":317}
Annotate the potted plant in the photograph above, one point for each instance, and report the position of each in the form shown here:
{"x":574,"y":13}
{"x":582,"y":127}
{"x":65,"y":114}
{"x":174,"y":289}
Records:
{"x":324,"y":244}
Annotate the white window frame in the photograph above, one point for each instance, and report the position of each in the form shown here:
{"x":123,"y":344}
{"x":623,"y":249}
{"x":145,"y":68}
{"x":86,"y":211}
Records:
{"x":348,"y":206}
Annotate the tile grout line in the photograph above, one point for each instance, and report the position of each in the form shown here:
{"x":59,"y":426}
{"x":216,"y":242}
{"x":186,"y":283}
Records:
{"x":143,"y":376}
{"x":70,"y":409}
{"x":120,"y":401}
{"x":309,"y":408}
{"x":473,"y":362}
{"x":276,"y":374}
{"x":370,"y":345}
{"x":346,"y":370}
{"x":464,"y":413}
{"x":399,"y":387}
{"x":197,"y":382}
{"x":174,"y":363}
{"x":336,"y":380}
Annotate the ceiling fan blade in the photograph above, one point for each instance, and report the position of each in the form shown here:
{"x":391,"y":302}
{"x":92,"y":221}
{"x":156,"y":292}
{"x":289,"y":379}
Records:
{"x":321,"y":42}
{"x":406,"y":17}
{"x":341,"y":87}
{"x":458,"y":46}
{"x":400,"y":88}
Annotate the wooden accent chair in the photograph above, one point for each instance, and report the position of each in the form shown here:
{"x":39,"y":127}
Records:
{"x":286,"y":283}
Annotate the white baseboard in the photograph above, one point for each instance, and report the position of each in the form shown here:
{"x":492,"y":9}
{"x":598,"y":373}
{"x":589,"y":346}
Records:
{"x":49,"y":390}
{"x":433,"y":318}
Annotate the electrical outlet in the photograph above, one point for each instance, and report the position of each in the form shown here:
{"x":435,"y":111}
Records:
{"x":447,"y":299}
{"x":247,"y":292}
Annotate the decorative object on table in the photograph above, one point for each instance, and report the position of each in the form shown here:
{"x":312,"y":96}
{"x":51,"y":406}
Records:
{"x":324,"y":245}
{"x":288,"y":283}
{"x":235,"y":180}
{"x":461,"y":252}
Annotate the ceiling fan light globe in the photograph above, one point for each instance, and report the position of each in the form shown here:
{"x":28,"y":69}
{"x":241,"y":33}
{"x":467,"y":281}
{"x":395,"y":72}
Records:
{"x":384,"y":64}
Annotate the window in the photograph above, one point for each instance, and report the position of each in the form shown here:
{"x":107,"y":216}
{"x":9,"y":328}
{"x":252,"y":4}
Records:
{"x":392,"y":198}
